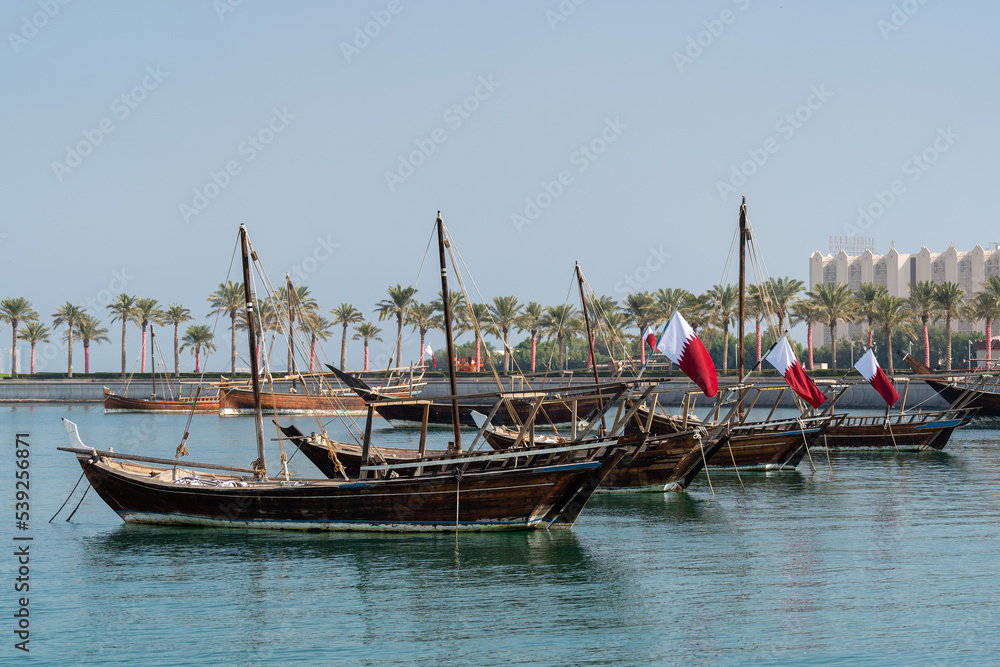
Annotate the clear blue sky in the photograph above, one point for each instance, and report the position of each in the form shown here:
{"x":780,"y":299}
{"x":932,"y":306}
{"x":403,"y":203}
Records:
{"x":664,"y":118}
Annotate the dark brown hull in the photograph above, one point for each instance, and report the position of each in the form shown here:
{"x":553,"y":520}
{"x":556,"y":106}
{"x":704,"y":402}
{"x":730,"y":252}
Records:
{"x":237,"y":401}
{"x":115,"y":403}
{"x":909,"y":431}
{"x":779,"y":445}
{"x":987,"y":401}
{"x":486,"y":496}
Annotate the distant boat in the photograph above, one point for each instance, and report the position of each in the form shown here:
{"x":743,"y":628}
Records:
{"x":907,"y":431}
{"x":325,"y":401}
{"x":114,"y":403}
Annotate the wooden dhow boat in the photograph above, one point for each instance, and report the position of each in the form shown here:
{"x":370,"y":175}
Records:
{"x":113,"y":403}
{"x":976,"y":390}
{"x":397,"y":410}
{"x":656,"y":463}
{"x":321,"y":400}
{"x":542,"y":488}
{"x":166,"y":402}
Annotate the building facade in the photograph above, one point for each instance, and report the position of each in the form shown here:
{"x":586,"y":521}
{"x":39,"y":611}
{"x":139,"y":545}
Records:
{"x":897,"y":271}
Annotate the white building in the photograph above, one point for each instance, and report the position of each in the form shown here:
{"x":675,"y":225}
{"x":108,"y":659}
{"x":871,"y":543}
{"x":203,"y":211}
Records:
{"x":898,"y":271}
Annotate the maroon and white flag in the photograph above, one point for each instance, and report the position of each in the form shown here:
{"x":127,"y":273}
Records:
{"x":683,"y":347}
{"x":868,"y":367}
{"x":649,"y":336}
{"x":782,"y":358}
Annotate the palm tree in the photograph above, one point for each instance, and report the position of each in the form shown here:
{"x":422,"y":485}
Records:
{"x":34,"y":332}
{"x":697,"y":310}
{"x":804,"y":310}
{"x":530,"y":320}
{"x":606,"y":320}
{"x":892,"y":314}
{"x":781,"y":293}
{"x":420,"y":316}
{"x":948,"y":298}
{"x":395,"y":306}
{"x":264,"y":319}
{"x":317,"y":328}
{"x":176,"y":314}
{"x":560,"y":322}
{"x":16,"y":310}
{"x":293,"y":304}
{"x":757,"y":306}
{"x":90,"y":330}
{"x":725,"y":305}
{"x":924,"y":306}
{"x":836,"y":304}
{"x":228,"y":300}
{"x":641,"y":309}
{"x":984,"y":306}
{"x":866,"y":296}
{"x":503,"y":314}
{"x":669,"y":299}
{"x":146,"y":311}
{"x":345,"y":314}
{"x":456,"y":302}
{"x":992,"y":287}
{"x":123,"y":309}
{"x":366,"y":331}
{"x":198,"y":337}
{"x":471,"y":317}
{"x":613,"y":324}
{"x":69,"y":315}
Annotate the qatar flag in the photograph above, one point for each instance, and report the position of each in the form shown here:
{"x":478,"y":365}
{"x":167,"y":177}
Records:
{"x":649,"y":336}
{"x":430,"y":352}
{"x":868,"y":367}
{"x":782,"y":358}
{"x":683,"y":347}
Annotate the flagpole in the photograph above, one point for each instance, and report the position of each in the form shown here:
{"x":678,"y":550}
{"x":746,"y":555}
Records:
{"x":643,"y":342}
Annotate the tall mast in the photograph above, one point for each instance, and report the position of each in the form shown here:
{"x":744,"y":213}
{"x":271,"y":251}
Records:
{"x":260,"y":466}
{"x":152,"y":344}
{"x":743,"y":285}
{"x":590,"y":339}
{"x":445,"y":299}
{"x":292,"y":298}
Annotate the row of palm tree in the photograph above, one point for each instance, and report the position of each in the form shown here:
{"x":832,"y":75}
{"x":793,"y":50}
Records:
{"x":773,"y":304}
{"x":928,"y":302}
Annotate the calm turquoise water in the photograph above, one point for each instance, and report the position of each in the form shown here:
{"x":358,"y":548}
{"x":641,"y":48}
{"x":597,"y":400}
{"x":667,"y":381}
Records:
{"x":871,"y":559}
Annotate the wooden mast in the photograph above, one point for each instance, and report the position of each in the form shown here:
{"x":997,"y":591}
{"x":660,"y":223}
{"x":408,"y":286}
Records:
{"x":152,"y":344}
{"x":743,"y":287}
{"x":260,"y":466}
{"x":292,"y":299}
{"x":445,"y":300}
{"x":590,"y":340}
